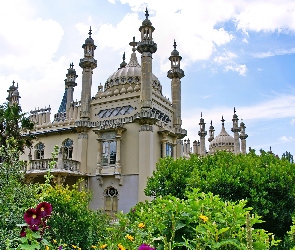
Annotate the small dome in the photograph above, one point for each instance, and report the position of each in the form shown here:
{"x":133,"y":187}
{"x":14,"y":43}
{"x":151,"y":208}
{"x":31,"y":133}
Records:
{"x":174,"y":53}
{"x":15,"y":93}
{"x":146,"y":22}
{"x":89,"y":40}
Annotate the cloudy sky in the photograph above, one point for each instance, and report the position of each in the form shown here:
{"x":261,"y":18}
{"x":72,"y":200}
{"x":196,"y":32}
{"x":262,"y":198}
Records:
{"x":236,"y":53}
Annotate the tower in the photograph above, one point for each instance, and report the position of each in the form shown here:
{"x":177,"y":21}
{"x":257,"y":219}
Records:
{"x":243,"y":137}
{"x":146,"y":47}
{"x":202,"y":133}
{"x":70,"y":83}
{"x":211,"y":132}
{"x":88,"y":63}
{"x":175,"y":74}
{"x":13,"y":94}
{"x":236,"y":129}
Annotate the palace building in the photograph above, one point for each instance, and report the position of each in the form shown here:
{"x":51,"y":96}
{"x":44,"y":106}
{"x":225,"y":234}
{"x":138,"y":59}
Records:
{"x":113,"y":139}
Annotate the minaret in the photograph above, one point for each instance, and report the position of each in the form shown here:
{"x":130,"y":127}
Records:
{"x":236,"y":129}
{"x":13,"y":94}
{"x":202,"y":133}
{"x":243,"y":137}
{"x":175,"y":74}
{"x":211,"y":132}
{"x":123,"y":63}
{"x":88,"y":63}
{"x":146,"y":47}
{"x":70,"y":83}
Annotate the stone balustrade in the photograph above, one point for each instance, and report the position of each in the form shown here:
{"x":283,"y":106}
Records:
{"x":43,"y":164}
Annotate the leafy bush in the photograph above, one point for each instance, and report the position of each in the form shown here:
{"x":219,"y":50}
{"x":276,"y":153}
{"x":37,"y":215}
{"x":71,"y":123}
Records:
{"x":201,"y":221}
{"x":265,"y":181}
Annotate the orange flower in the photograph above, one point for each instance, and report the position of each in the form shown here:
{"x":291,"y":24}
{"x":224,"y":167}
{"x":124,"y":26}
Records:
{"x":129,"y":237}
{"x":121,"y":247}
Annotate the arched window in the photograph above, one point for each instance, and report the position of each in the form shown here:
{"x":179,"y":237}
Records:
{"x":39,"y":152}
{"x":68,"y":149}
{"x":111,"y":201}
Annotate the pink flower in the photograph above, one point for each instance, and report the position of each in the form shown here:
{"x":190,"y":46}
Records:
{"x":32,"y":218}
{"x":44,"y":209}
{"x":146,"y":247}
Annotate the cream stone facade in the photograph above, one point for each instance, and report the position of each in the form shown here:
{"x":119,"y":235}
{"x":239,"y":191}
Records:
{"x":113,"y":139}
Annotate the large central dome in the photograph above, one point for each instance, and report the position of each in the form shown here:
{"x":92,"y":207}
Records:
{"x":128,"y":79}
{"x":222,"y":142}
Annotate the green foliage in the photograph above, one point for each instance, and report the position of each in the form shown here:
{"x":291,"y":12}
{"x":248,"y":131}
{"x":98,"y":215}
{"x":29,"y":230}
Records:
{"x":201,"y":221}
{"x":15,"y":196}
{"x":13,"y":124}
{"x":265,"y":181}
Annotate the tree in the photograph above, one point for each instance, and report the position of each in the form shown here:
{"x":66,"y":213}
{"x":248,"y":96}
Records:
{"x":15,"y":124}
{"x":265,"y":181}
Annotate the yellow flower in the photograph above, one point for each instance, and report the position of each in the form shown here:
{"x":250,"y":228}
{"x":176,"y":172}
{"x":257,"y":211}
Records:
{"x":121,"y":247}
{"x":47,"y":247}
{"x":79,"y":248}
{"x":73,"y":246}
{"x":129,"y":237}
{"x":141,"y":225}
{"x":103,"y":246}
{"x":204,"y":218}
{"x":93,"y":246}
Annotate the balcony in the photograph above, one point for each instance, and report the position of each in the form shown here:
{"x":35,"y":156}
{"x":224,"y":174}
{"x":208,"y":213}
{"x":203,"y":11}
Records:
{"x":63,"y":166}
{"x":110,"y":170}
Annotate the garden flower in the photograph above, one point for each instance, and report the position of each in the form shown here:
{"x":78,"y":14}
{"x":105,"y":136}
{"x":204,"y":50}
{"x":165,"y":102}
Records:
{"x":44,"y":209}
{"x":129,"y":237}
{"x":60,"y":248}
{"x":93,"y":246}
{"x":32,"y":219}
{"x":121,"y":247}
{"x":204,"y":218}
{"x":47,"y":248}
{"x":141,"y":225}
{"x":146,"y":247}
{"x":103,"y":246}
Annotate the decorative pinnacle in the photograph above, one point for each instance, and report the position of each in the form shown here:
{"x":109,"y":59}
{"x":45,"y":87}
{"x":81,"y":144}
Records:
{"x":234,"y":110}
{"x":222,"y":120}
{"x":201,"y":114}
{"x":13,"y":82}
{"x":133,"y":44}
{"x":146,"y":13}
{"x":211,"y":123}
{"x":71,"y":65}
{"x":174,"y":45}
{"x":90,"y":32}
{"x":123,"y":57}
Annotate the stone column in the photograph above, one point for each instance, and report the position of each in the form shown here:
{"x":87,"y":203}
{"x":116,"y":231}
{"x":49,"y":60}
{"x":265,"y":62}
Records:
{"x":174,"y":149}
{"x":146,"y":80}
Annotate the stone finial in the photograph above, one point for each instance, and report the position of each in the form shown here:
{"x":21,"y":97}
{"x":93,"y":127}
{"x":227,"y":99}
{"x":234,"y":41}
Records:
{"x":222,"y":120}
{"x":90,"y":32}
{"x":146,"y":13}
{"x":123,"y":63}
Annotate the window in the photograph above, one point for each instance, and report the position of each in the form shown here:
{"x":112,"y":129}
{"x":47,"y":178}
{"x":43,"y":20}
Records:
{"x":68,"y":149}
{"x":169,"y":150}
{"x":111,"y":201}
{"x":109,"y":152}
{"x":39,"y":152}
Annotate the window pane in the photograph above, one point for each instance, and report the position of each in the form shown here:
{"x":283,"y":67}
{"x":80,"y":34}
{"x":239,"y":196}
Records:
{"x":105,"y":153}
{"x":113,"y":151}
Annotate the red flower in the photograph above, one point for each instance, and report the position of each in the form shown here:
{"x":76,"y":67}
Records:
{"x":44,"y":209}
{"x":146,"y":247}
{"x":32,"y":219}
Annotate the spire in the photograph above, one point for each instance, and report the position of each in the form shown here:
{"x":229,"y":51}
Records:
{"x":146,"y":29}
{"x":222,"y":120}
{"x":13,"y":94}
{"x":133,"y":60}
{"x":90,"y":32}
{"x":146,"y":13}
{"x":211,"y":132}
{"x":175,"y":58}
{"x":123,"y":63}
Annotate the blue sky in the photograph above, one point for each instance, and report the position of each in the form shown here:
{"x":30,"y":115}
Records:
{"x":235,"y":54}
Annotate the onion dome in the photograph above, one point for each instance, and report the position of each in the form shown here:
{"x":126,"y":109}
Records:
{"x":130,"y":74}
{"x":222,"y":142}
{"x":174,"y":52}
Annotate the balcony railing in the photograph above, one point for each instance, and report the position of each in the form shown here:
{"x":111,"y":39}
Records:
{"x":64,"y":164}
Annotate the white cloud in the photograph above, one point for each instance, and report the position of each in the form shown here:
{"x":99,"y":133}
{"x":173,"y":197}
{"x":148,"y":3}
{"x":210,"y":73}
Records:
{"x":225,"y":57}
{"x":241,"y":69}
{"x":292,"y":122}
{"x":274,"y":53}
{"x":286,"y":138}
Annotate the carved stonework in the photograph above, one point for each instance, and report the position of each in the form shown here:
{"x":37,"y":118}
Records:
{"x":83,"y":136}
{"x":146,"y":128}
